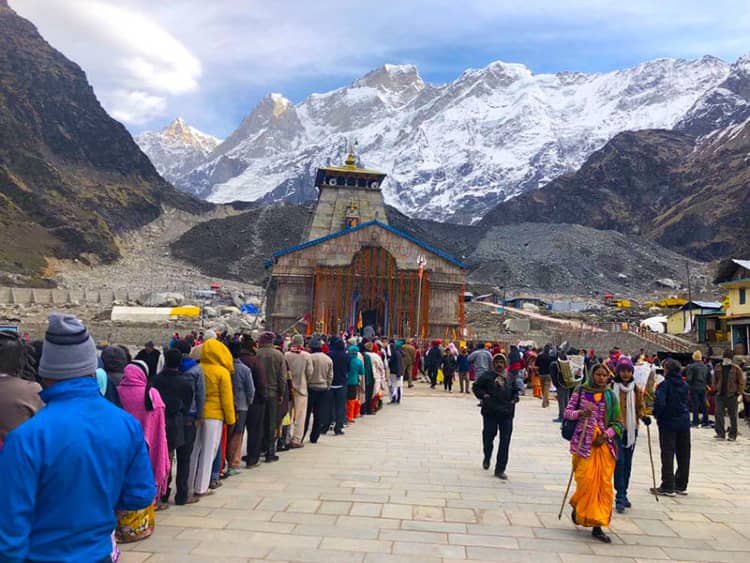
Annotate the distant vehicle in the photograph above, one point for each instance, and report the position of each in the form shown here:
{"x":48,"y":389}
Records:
{"x":204,"y":293}
{"x":673,"y":302}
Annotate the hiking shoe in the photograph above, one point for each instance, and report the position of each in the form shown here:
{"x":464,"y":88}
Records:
{"x":662,"y":492}
{"x":620,"y":508}
{"x":681,"y":492}
{"x":272,"y":458}
{"x":215,"y":484}
{"x":732,"y":438}
{"x":501,"y":475}
{"x":626,"y":502}
{"x":486,"y":463}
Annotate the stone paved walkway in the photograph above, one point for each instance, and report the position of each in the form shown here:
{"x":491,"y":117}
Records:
{"x":407,"y":485}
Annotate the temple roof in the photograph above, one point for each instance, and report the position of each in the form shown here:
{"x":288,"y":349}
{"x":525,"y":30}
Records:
{"x":376,"y":223}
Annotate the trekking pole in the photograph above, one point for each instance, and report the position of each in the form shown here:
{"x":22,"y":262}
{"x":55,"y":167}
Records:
{"x":651,"y":457}
{"x":572,"y":469}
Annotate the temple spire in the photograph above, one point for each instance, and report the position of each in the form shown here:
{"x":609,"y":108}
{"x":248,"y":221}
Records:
{"x":351,"y":159}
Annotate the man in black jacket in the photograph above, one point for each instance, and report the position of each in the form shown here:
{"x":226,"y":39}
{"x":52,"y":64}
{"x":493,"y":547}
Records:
{"x":150,"y":355}
{"x":543,"y":363}
{"x":176,"y":390}
{"x":498,"y":393}
{"x":673,"y":417}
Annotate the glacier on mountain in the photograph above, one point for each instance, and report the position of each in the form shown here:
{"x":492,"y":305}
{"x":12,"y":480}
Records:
{"x":451,"y":151}
{"x":176,"y":149}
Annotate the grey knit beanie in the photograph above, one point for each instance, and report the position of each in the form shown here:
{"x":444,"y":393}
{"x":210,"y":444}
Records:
{"x":68,"y":350}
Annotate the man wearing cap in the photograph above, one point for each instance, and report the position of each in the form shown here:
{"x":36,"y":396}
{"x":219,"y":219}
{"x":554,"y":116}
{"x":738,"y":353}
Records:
{"x":301,"y":369}
{"x":274,"y":366}
{"x":69,"y":468}
{"x":728,"y":383}
{"x":151,"y":356}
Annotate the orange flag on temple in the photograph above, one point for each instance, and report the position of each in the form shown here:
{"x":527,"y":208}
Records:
{"x":360,"y":324}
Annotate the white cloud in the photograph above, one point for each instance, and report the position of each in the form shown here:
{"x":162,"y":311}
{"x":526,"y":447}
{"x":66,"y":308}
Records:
{"x":156,"y":47}
{"x":133,"y":61}
{"x":135,"y":107}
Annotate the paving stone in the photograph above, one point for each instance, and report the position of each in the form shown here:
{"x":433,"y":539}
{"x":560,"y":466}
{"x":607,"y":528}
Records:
{"x":431,"y":513}
{"x":366,"y":509}
{"x":353,"y":545}
{"x":400,"y":511}
{"x":435,"y":550}
{"x":382,"y":495}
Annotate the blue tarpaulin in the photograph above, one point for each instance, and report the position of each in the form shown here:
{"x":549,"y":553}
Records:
{"x":248,"y":308}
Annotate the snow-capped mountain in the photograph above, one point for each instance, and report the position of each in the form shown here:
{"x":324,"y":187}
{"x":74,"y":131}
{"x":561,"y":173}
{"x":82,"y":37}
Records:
{"x":726,"y":104}
{"x":176,"y":149}
{"x":451,"y":151}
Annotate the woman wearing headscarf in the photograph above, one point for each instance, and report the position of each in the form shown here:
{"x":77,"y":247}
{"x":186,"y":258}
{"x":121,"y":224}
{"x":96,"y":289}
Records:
{"x":145,"y":404}
{"x":498,"y":394}
{"x":632,"y":409}
{"x":594,"y":449}
{"x":449,"y":365}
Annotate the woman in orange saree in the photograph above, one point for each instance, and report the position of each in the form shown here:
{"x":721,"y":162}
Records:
{"x":594,"y":451}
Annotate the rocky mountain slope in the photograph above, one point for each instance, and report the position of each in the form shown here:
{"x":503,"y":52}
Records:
{"x":559,"y":258}
{"x":176,"y":149}
{"x":71,"y":177}
{"x":452,"y":151}
{"x":692,"y":196}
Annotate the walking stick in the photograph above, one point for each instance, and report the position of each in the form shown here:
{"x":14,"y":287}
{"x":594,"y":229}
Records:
{"x":572,"y":469}
{"x":651,"y":457}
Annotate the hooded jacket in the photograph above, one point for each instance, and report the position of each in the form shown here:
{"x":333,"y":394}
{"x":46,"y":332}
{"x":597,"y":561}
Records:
{"x":77,"y":449}
{"x":356,"y":367}
{"x":340,"y":362}
{"x":218,"y":365}
{"x":671,"y":407}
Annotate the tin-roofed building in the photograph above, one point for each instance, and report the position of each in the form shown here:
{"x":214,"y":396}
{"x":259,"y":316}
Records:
{"x":354,"y":270}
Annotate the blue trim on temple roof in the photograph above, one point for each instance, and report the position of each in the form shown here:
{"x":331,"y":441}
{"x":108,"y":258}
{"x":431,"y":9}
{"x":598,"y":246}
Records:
{"x":377,"y":223}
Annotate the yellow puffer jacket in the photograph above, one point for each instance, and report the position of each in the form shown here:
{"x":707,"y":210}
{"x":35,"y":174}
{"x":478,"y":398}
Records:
{"x":218,"y":367}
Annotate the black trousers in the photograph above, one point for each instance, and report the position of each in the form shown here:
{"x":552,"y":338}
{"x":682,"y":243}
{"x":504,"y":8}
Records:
{"x":270,"y":426}
{"x":367,"y":407}
{"x":674,"y":444}
{"x":182,"y":457}
{"x":699,"y":406}
{"x":448,"y":381}
{"x":563,"y":396}
{"x":492,"y":426}
{"x":432,"y":374}
{"x":254,"y":422}
{"x":728,"y":404}
{"x":319,"y":409}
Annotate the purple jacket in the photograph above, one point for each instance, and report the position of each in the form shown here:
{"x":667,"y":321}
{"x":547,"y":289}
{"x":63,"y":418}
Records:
{"x":598,"y":417}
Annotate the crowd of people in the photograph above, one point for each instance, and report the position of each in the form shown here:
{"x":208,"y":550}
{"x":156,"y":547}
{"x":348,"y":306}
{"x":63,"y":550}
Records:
{"x":124,"y":435}
{"x":600,"y":410}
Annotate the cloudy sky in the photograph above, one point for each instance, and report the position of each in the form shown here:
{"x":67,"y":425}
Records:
{"x":210,"y":61}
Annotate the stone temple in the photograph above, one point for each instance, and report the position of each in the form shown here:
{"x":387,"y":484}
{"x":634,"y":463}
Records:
{"x":355,"y":271}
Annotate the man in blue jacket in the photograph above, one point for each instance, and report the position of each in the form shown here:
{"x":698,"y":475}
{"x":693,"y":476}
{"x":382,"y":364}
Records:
{"x":66,"y":470}
{"x":672,"y":414}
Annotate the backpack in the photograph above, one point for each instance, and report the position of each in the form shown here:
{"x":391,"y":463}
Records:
{"x":568,"y":427}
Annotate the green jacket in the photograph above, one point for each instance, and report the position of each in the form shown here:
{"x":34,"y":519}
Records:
{"x":356,"y":367}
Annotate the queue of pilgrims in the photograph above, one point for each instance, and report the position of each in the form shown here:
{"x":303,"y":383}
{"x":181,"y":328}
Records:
{"x":178,"y":422}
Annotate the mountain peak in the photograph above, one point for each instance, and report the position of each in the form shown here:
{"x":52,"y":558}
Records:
{"x":392,"y":77}
{"x":176,"y":128}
